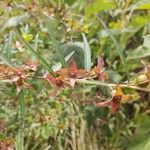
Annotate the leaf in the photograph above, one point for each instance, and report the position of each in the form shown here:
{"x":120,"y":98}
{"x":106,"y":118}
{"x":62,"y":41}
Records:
{"x":146,"y":41}
{"x":14,"y":21}
{"x":27,"y":37}
{"x":138,"y":21}
{"x":36,"y":42}
{"x":58,"y":49}
{"x":7,"y":49}
{"x":98,"y":6}
{"x":114,"y":76}
{"x":142,"y":51}
{"x":139,"y":53}
{"x":87,"y":54}
{"x":144,"y":7}
{"x":58,"y":66}
{"x":141,"y":139}
{"x":116,"y":44}
{"x":78,"y":54}
{"x":6,"y":61}
{"x":41,"y":59}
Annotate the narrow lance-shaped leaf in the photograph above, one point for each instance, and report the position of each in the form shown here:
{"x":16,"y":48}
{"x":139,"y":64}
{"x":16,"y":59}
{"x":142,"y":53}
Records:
{"x":6,"y":61}
{"x":36,"y":42}
{"x":9,"y":46}
{"x":87,"y":54}
{"x":58,"y":66}
{"x":118,"y":48}
{"x":43,"y":61}
{"x":59,"y":50}
{"x":6,"y":47}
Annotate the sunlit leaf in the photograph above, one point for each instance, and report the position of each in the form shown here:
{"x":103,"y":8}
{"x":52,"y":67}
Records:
{"x":139,"y":53}
{"x":98,"y":6}
{"x":27,"y":37}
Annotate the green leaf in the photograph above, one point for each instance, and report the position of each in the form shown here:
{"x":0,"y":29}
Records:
{"x":78,"y":54}
{"x":97,"y":6}
{"x":6,"y":61}
{"x":57,"y":66}
{"x":27,"y":37}
{"x":36,"y":42}
{"x":114,"y":76}
{"x":87,"y":54}
{"x":146,"y":41}
{"x":7,"y":49}
{"x":116,"y":44}
{"x":139,"y":53}
{"x":141,"y":138}
{"x":144,"y":7}
{"x":138,"y":20}
{"x":59,"y":50}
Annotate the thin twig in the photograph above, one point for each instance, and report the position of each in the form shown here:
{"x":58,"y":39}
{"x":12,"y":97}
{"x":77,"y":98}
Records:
{"x":83,"y":81}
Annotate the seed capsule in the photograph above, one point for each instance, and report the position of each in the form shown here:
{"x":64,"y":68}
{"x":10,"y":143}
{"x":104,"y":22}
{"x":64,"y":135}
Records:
{"x":142,"y":80}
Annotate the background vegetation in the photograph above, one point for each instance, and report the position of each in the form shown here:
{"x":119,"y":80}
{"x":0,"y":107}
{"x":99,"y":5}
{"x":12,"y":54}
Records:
{"x":40,"y":37}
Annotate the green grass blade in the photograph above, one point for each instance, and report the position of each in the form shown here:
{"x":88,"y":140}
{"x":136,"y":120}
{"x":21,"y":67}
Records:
{"x":21,"y":118}
{"x":41,"y":59}
{"x":36,"y":42}
{"x":6,"y":61}
{"x":7,"y":47}
{"x":87,"y":54}
{"x":118,"y":48}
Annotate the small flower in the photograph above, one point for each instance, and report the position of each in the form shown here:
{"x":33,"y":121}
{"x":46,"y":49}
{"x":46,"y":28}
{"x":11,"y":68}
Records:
{"x":114,"y":102}
{"x":72,"y":72}
{"x":57,"y":81}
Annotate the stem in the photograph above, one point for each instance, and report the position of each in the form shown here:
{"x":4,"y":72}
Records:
{"x":83,"y":81}
{"x":21,"y":118}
